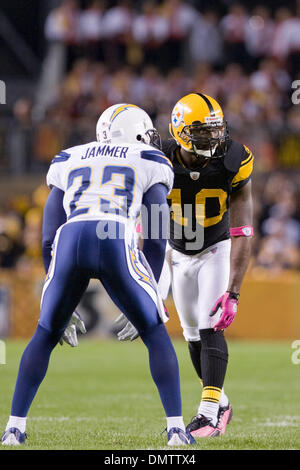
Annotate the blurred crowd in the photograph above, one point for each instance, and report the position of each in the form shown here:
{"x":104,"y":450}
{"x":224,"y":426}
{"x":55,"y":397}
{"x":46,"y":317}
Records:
{"x":276,"y":245}
{"x":150,"y":54}
{"x":248,"y":59}
{"x":163,"y":32}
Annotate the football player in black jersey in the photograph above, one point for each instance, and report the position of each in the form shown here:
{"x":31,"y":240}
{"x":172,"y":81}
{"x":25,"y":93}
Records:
{"x":209,"y":246}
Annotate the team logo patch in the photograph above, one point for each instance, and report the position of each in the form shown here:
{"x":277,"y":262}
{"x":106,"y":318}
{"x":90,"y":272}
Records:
{"x":247,"y":231}
{"x":177,"y":115}
{"x":120,"y":109}
{"x":194,"y":175}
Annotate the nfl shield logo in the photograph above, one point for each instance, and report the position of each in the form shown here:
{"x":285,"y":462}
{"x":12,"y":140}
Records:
{"x":194,"y":175}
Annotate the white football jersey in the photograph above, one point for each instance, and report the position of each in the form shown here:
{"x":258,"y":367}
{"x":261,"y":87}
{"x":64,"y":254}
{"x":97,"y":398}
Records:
{"x":107,"y":181}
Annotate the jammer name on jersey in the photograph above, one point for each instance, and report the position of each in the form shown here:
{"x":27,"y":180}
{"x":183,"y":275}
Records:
{"x":105,"y":151}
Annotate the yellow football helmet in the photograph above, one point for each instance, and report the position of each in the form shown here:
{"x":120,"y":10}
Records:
{"x":198,"y":125}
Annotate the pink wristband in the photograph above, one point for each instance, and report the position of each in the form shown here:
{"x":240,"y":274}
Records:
{"x":244,"y":231}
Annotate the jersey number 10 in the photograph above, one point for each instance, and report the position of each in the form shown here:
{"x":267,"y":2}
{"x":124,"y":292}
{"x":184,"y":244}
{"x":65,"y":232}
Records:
{"x":201,"y":216}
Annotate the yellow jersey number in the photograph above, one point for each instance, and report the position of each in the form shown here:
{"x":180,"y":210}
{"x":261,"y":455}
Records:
{"x":200,"y":209}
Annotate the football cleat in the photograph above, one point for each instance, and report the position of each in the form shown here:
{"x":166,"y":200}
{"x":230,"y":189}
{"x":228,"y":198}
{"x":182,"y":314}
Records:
{"x":13,"y":437}
{"x":200,"y":426}
{"x":224,"y":417}
{"x":177,"y":437}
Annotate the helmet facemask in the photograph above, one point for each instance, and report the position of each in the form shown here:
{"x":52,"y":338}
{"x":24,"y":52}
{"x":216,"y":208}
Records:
{"x":151,"y":137}
{"x":206,"y":140}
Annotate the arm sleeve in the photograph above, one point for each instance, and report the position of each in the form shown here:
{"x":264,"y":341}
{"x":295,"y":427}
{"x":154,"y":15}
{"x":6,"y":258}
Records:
{"x":53,"y":217}
{"x":155,"y":216}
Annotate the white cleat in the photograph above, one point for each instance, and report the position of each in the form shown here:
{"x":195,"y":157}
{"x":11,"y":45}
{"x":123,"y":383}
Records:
{"x":178,"y":437}
{"x":13,"y":437}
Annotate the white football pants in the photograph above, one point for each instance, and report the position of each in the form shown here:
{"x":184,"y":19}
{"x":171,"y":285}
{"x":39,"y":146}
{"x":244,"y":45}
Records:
{"x":197,"y":283}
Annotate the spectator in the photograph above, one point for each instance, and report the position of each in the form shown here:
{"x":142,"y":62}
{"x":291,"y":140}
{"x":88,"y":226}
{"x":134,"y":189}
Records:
{"x":19,"y":137}
{"x":233,"y":27}
{"x":117,"y":27}
{"x":150,"y":30}
{"x":181,"y":18}
{"x":10,"y":239}
{"x":233,"y":80}
{"x":268,"y":77}
{"x":288,"y":140}
{"x":62,"y":26}
{"x":279,"y":224}
{"x":259,"y":33}
{"x":286,"y":44}
{"x":205,"y":79}
{"x":205,"y":39}
{"x":275,"y":254}
{"x":91,"y":30}
{"x":62,"y":23}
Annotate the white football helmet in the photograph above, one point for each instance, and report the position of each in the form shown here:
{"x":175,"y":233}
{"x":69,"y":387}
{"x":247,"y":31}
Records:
{"x":126,"y":123}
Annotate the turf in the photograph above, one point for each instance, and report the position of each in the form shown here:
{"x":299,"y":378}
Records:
{"x":100,"y":396}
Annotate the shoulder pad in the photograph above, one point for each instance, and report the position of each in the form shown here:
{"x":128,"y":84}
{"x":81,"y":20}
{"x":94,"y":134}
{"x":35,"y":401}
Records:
{"x":234,"y":156}
{"x":64,"y":155}
{"x":168,"y":147}
{"x":61,"y":157}
{"x":156,"y":155}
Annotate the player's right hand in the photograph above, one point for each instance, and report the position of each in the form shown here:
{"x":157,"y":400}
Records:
{"x":129,"y":332}
{"x":70,"y":333}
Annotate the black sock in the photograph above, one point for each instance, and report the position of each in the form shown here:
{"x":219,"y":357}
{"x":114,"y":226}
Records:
{"x":214,"y":358}
{"x":195,"y":353}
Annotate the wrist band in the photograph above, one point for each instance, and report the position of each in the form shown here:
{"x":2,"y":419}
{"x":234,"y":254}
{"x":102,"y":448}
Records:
{"x":233,"y":295}
{"x":244,"y":231}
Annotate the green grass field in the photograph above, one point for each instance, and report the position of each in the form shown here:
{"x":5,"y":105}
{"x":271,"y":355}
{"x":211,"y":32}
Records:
{"x":100,"y":396}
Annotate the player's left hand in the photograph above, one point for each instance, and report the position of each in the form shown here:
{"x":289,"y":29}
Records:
{"x":70,"y":333}
{"x":228,"y":304}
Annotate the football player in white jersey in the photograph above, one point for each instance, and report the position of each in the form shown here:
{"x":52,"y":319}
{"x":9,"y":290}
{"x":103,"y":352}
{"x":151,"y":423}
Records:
{"x":97,"y":192}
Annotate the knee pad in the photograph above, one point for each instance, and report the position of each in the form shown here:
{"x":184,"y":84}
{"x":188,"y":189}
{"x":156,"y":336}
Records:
{"x":214,"y":343}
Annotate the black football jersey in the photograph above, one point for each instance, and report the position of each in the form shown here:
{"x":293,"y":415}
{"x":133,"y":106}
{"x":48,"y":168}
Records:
{"x":199,"y":201}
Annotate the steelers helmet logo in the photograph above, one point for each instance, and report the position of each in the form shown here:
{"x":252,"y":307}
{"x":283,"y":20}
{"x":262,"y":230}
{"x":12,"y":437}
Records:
{"x":177,"y":115}
{"x":247,"y":231}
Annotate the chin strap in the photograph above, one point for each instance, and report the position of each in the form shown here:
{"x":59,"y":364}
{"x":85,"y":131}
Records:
{"x":207,"y":153}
